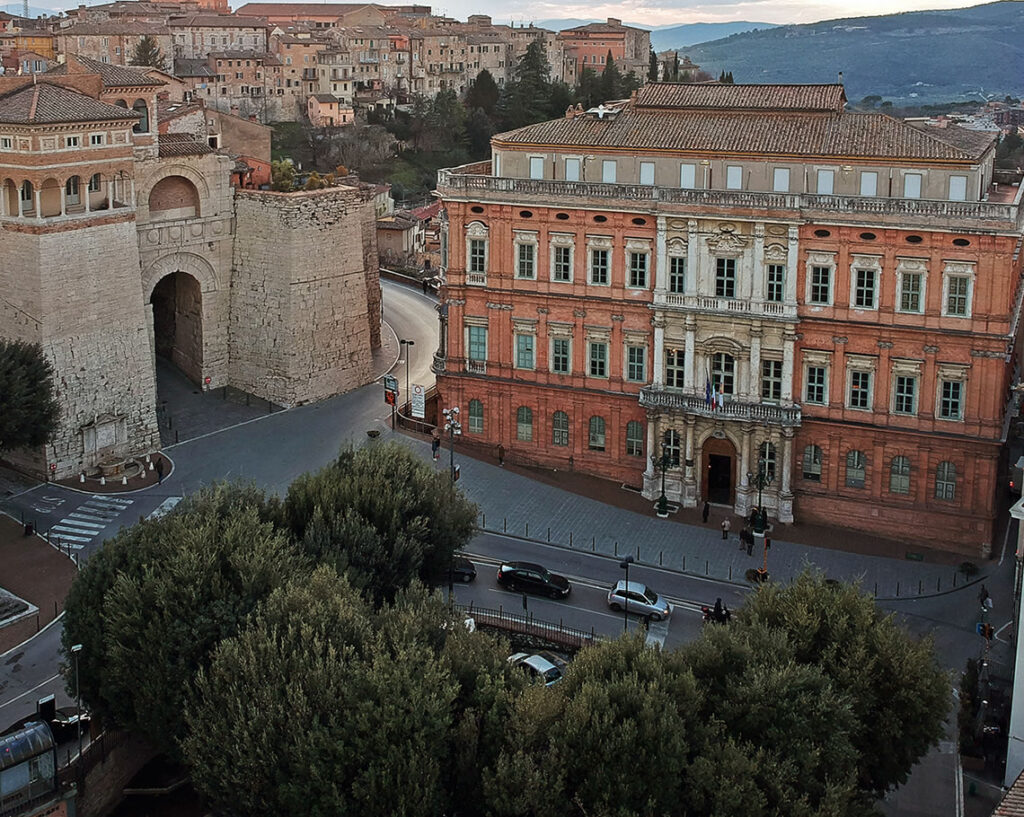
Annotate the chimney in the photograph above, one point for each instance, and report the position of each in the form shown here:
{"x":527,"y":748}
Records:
{"x":252,"y":117}
{"x":570,"y":112}
{"x":840,"y":77}
{"x":613,"y":21}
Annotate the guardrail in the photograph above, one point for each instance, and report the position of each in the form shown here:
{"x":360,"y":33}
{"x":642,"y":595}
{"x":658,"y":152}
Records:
{"x":528,"y":625}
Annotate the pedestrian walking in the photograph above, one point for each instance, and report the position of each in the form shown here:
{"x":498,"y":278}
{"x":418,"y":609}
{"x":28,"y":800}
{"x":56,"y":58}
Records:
{"x":983,"y":595}
{"x":707,"y":510}
{"x":501,"y":455}
{"x":750,"y":544}
{"x":159,"y":471}
{"x":435,"y":443}
{"x":743,"y":537}
{"x":426,"y":286}
{"x":725,"y":528}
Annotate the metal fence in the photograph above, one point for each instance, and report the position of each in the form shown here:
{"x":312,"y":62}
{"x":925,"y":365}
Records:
{"x":526,"y":624}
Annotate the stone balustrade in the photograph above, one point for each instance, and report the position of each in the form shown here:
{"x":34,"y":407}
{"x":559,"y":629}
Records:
{"x":654,"y":397}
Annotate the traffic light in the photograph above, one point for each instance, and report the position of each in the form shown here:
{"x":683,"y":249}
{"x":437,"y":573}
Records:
{"x":389,"y":397}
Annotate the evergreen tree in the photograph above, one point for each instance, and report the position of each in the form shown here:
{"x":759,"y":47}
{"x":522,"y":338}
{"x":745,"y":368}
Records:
{"x":588,"y":87}
{"x":29,"y":412}
{"x":611,"y":80}
{"x":560,"y":98}
{"x":526,"y":99}
{"x":483,"y":93}
{"x":147,"y":52}
{"x":478,"y":135}
{"x":652,"y":67}
{"x":675,"y":68}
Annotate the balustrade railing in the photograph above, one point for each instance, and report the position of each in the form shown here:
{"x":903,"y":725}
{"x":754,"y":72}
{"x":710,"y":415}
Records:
{"x":732,"y":409}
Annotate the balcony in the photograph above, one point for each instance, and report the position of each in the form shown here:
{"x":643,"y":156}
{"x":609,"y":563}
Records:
{"x":476,"y":366}
{"x":655,"y":397}
{"x":476,"y":279}
{"x":724,"y":306}
{"x":472,"y":182}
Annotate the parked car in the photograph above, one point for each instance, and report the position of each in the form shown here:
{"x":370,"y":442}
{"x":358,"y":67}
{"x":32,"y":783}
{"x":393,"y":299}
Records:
{"x":532,"y":578}
{"x":463,"y":570}
{"x":65,"y":723}
{"x":638,"y":598}
{"x":538,"y":667}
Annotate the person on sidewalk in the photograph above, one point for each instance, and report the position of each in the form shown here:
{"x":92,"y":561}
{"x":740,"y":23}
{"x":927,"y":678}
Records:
{"x":704,"y":513}
{"x":501,"y":455}
{"x":725,"y":527}
{"x":435,"y":443}
{"x":160,"y":471}
{"x":983,"y":595}
{"x":743,"y":537}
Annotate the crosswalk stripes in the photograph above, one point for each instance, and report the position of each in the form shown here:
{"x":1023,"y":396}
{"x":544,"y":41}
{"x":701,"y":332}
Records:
{"x":86,"y":522}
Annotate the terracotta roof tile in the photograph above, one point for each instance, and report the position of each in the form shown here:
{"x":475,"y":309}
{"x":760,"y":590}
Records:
{"x":113,"y":76}
{"x":1012,"y":804}
{"x":181,"y":144}
{"x":741,"y":97}
{"x":44,"y":104}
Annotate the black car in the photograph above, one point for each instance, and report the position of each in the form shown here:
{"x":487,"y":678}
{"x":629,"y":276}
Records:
{"x":532,"y":578}
{"x":463,"y":570}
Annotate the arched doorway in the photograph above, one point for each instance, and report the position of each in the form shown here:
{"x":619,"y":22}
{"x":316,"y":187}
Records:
{"x":177,"y":302}
{"x":718,"y":484}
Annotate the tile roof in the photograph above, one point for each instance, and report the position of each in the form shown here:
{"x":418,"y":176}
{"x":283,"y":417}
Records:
{"x":181,"y":144}
{"x":192,"y":68}
{"x":113,"y":76}
{"x":1012,"y":804}
{"x":962,"y":138}
{"x":779,"y":133}
{"x":44,"y":104}
{"x":167,"y":110}
{"x":741,"y":97}
{"x":298,"y":9}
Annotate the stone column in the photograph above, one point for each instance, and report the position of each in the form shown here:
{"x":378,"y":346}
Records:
{"x":659,"y":351}
{"x":649,"y":470}
{"x":788,"y":344}
{"x":755,"y":285}
{"x":743,"y":494}
{"x":63,"y":200}
{"x":755,"y":363}
{"x":39,"y":202}
{"x":88,"y":204}
{"x":689,"y":356}
{"x":786,"y":495}
{"x":3,"y":199}
{"x":131,"y":182}
{"x":792,"y":260}
{"x":661,"y":258}
{"x":110,"y":194}
{"x":692,"y":254}
{"x":689,"y":494}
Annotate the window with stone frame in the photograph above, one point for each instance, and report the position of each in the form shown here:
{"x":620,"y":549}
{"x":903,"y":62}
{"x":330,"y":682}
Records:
{"x":911,"y":292}
{"x":598,"y":355}
{"x":766,"y":455}
{"x":859,"y":396}
{"x":957,"y":300}
{"x":634,"y":438}
{"x":856,"y":469}
{"x":526,"y":260}
{"x":899,"y":475}
{"x":673,"y":447}
{"x":904,"y":394}
{"x":636,"y":364}
{"x":561,"y":355}
{"x":865,"y":291}
{"x":524,"y":424}
{"x":771,"y":380}
{"x":596,"y":435}
{"x":820,"y":269}
{"x":677,"y":275}
{"x":723,"y":373}
{"x":525,"y":351}
{"x":477,"y":343}
{"x":951,"y":399}
{"x":562,"y":258}
{"x":560,"y":428}
{"x":675,"y":371}
{"x":945,"y":481}
{"x":812,"y":463}
{"x":638,"y":262}
{"x":725,"y":277}
{"x":816,"y":384}
{"x":776,"y":291}
{"x":600,"y":266}
{"x":476,"y":417}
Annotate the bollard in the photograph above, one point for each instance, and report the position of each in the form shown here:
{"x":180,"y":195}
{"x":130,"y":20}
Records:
{"x":103,"y":480}
{"x":124,"y":480}
{"x":270,"y":407}
{"x":170,"y":421}
{"x":920,"y":584}
{"x":504,"y":524}
{"x":876,"y":590}
{"x":705,"y":567}
{"x":527,"y":530}
{"x":247,"y":398}
{"x":549,"y":534}
{"x":954,"y":580}
{"x":661,"y":558}
{"x":570,"y":538}
{"x":897,"y":589}
{"x":730,"y":572}
{"x":55,"y":608}
{"x":484,"y":526}
{"x":684,"y":563}
{"x":175,"y":436}
{"x":638,"y":553}
{"x":938,"y":584}
{"x":37,"y":622}
{"x":616,"y":547}
{"x":593,"y":545}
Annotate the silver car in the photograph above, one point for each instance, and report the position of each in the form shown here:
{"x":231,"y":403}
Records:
{"x":538,"y":667}
{"x":639,"y":598}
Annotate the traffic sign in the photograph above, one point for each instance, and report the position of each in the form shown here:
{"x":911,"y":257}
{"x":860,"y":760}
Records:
{"x":419,"y":407}
{"x":391,"y":383}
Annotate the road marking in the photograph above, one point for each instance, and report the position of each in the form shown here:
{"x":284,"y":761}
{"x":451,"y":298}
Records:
{"x":30,"y":691}
{"x":165,"y":507}
{"x":63,"y":529}
{"x":114,"y":504}
{"x":88,"y":520}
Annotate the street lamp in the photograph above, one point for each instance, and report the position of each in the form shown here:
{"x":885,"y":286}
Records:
{"x":75,"y":650}
{"x":624,"y":564}
{"x":453,"y":427}
{"x":761,"y":479}
{"x":663,"y":463}
{"x":406,"y":344}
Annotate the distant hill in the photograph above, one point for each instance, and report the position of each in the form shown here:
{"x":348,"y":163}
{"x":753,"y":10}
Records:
{"x":680,"y":36}
{"x":914,"y":58}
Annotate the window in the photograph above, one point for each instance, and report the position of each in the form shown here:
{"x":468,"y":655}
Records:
{"x":71,"y":190}
{"x":776,"y":283}
{"x":825,"y":182}
{"x":856,"y":466}
{"x":646,"y":172}
{"x":94,"y":183}
{"x":524,"y":424}
{"x":634,"y":438}
{"x":599,"y":265}
{"x":598,"y":359}
{"x":672,"y":445}
{"x":561,"y":264}
{"x":725,"y":277}
{"x":815,"y":385}
{"x":72,"y":141}
{"x":608,"y":168}
{"x":478,"y":256}
{"x":560,"y":355}
{"x":95,"y":139}
{"x":688,"y":176}
{"x":477,"y":344}
{"x":771,"y":379}
{"x":905,"y":395}
{"x":945,"y":481}
{"x":812,"y":463}
{"x":6,"y":143}
{"x":912,"y":186}
{"x":524,"y":352}
{"x":677,"y":275}
{"x":766,"y":455}
{"x":860,"y":390}
{"x":572,"y":170}
{"x":560,"y":428}
{"x":869,"y":183}
{"x":734,"y":177}
{"x":638,"y":269}
{"x":636,"y":364}
{"x":723,"y":373}
{"x":526,"y":263}
{"x":899,"y":476}
{"x":958,"y":296}
{"x":864,"y":289}
{"x":536,"y":167}
{"x":674,"y":371}
{"x":140,"y":107}
{"x":596,"y":436}
{"x":957,"y":188}
{"x":951,"y":400}
{"x":26,"y":193}
{"x":476,"y":417}
{"x":780,"y":180}
{"x":821,"y":285}
{"x":910,"y":292}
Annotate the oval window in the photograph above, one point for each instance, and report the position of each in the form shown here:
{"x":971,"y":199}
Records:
{"x":476,"y":208}
{"x":600,"y":219}
{"x":562,"y":216}
{"x":640,"y":222}
{"x":961,"y":242}
{"x":868,"y":236}
{"x":822,"y":233}
{"x":914,"y":239}
{"x":525,"y":214}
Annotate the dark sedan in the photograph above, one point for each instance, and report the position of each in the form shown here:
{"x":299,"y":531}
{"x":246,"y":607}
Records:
{"x":463,"y":570}
{"x":532,"y":578}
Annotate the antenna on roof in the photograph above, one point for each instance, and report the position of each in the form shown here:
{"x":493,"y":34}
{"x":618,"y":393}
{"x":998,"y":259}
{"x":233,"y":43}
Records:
{"x":840,"y":77}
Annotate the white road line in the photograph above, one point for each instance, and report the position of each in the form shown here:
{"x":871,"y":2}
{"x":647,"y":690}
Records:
{"x":99,"y":510}
{"x":106,"y":506}
{"x":63,"y":529}
{"x":67,"y":537}
{"x":87,"y":520}
{"x":88,"y":524}
{"x":30,"y":691}
{"x":114,"y":499}
{"x":165,"y":507}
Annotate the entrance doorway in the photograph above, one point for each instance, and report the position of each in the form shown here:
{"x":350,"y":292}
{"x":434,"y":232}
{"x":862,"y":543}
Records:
{"x":719,"y":460}
{"x":177,"y":302}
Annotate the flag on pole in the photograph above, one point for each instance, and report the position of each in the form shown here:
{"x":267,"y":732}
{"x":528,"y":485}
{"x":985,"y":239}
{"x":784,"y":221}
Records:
{"x":708,"y":401}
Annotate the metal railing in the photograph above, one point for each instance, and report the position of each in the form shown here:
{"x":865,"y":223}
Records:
{"x":711,"y":303}
{"x":732,"y":409}
{"x":528,"y":625}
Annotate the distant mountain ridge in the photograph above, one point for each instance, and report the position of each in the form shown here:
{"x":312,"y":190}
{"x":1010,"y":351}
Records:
{"x":914,"y":57}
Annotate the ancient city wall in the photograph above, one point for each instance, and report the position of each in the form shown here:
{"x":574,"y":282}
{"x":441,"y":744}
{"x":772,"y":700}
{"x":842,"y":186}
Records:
{"x":305,"y":307}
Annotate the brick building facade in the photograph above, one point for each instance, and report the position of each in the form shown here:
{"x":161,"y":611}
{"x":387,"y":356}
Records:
{"x":743,"y":280}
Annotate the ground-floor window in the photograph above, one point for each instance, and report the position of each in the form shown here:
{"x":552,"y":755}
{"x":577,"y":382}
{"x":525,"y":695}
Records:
{"x":812,"y":463}
{"x":945,"y":481}
{"x":596,"y":434}
{"x":560,"y":428}
{"x":634,"y":438}
{"x":476,"y":417}
{"x":899,"y":475}
{"x":524,"y":424}
{"x":856,"y":468}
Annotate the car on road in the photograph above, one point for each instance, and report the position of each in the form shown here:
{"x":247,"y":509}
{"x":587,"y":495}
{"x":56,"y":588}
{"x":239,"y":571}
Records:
{"x":532,"y":578}
{"x":65,"y":723}
{"x":538,"y":667}
{"x":463,"y":570}
{"x":636,"y":597}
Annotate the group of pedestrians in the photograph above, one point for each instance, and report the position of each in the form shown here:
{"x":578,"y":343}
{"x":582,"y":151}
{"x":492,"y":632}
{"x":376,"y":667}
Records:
{"x":746,"y":534}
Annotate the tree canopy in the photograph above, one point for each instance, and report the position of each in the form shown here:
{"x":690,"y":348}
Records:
{"x":29,"y":412}
{"x":147,"y":52}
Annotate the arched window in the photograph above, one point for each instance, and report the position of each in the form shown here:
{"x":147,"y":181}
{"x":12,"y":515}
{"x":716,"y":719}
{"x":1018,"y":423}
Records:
{"x":476,"y":417}
{"x":26,"y":194}
{"x":856,"y":468}
{"x":672,"y":447}
{"x":524,"y":424}
{"x":634,"y":438}
{"x":596,"y":436}
{"x":560,"y":428}
{"x":945,"y":481}
{"x":812,"y":463}
{"x":899,"y":475}
{"x":766,"y":455}
{"x":71,"y":192}
{"x":140,"y":107}
{"x":723,"y":373}
{"x":94,"y":183}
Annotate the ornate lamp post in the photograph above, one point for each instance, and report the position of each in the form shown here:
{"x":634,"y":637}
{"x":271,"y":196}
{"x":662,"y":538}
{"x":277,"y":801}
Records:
{"x":662,"y":463}
{"x":761,"y":479}
{"x":453,"y":427}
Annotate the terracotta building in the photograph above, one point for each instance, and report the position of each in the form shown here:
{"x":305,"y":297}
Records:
{"x":743,"y":280}
{"x":588,"y":46}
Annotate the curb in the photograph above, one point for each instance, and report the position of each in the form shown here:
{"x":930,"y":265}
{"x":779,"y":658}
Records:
{"x":121,"y":493}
